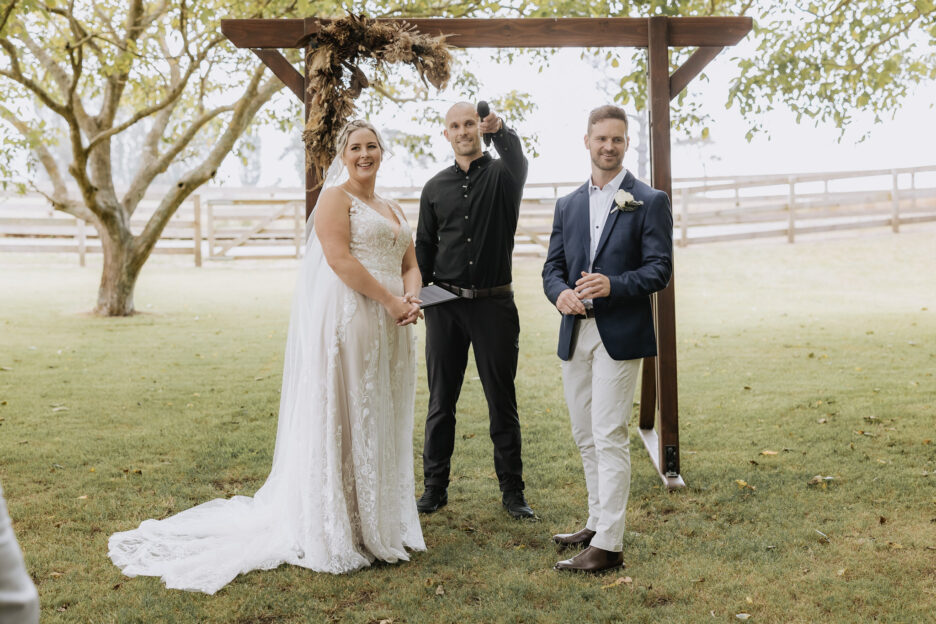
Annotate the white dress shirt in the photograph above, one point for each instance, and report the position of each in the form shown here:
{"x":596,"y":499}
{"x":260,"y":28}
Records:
{"x":599,"y":207}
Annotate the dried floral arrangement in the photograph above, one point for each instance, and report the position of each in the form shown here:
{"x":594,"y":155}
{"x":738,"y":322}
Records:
{"x":335,"y":80}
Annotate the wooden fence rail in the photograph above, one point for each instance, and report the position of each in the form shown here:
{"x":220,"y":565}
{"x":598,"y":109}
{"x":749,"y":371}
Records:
{"x":264,"y":224}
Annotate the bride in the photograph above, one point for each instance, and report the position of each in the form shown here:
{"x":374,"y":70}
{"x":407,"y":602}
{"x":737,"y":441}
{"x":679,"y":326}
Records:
{"x":340,"y":493}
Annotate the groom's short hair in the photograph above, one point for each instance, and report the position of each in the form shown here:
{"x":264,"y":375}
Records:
{"x":608,"y":111}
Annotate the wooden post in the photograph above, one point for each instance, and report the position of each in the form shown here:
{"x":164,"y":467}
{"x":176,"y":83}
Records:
{"x":684,"y":217}
{"x":209,"y":224}
{"x":196,"y":234}
{"x":791,"y":209}
{"x":895,"y":202}
{"x":312,"y":176}
{"x":82,"y":241}
{"x":666,"y":453}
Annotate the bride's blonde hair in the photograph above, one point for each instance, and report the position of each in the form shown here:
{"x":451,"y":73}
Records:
{"x":341,"y":142}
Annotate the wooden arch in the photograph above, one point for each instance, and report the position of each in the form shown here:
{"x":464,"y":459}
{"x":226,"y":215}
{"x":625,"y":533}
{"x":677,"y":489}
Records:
{"x":710,"y":35}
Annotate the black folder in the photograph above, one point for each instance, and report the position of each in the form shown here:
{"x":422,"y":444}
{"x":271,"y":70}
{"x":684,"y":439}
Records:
{"x":434,"y":295}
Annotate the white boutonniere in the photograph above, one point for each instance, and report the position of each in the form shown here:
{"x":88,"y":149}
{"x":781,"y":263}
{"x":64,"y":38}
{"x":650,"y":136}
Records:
{"x":625,"y":202}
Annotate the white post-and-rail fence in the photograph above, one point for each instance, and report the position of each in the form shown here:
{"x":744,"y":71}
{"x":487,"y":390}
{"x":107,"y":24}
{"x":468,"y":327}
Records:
{"x":265,"y":224}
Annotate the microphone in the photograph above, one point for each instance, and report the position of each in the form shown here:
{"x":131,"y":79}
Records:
{"x":483,"y":111}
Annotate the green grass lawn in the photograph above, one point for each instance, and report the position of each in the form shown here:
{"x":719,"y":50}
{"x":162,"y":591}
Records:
{"x":794,"y":361}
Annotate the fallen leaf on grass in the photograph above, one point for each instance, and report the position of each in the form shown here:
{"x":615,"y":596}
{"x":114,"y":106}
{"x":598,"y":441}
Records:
{"x":55,"y":574}
{"x":894,"y":546}
{"x":816,"y":480}
{"x":841,"y":572}
{"x":822,"y":421}
{"x":6,"y":369}
{"x":823,"y":538}
{"x":83,"y":497}
{"x":467,"y":436}
{"x":440,"y":591}
{"x":743,"y":616}
{"x":60,"y":408}
{"x":742,"y":484}
{"x":749,"y":600}
{"x":621,"y":580}
{"x":882,"y":520}
{"x":768,"y":452}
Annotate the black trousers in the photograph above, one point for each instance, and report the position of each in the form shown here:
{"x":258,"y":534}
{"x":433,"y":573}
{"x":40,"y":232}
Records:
{"x":491,"y":326}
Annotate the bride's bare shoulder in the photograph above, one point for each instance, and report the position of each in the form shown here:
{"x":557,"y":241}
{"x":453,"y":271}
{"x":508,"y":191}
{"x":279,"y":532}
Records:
{"x":334,"y":197}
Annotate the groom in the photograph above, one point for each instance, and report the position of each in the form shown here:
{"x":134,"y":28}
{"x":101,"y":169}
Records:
{"x":611,"y":247}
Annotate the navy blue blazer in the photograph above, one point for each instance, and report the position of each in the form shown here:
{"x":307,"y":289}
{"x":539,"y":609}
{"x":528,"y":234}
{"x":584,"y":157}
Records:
{"x":635,"y":252}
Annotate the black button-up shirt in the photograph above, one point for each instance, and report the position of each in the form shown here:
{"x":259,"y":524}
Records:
{"x":468,"y":220}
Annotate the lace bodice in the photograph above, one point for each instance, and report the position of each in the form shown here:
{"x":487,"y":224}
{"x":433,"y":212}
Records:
{"x":373,"y":240}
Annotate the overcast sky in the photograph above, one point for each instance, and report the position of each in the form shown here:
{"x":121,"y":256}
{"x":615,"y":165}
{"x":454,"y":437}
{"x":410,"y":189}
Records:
{"x":570,"y":87}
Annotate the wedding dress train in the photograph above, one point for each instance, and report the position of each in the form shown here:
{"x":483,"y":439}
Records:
{"x":341,"y":490}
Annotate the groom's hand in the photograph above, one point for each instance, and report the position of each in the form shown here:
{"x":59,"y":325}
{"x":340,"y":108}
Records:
{"x":592,"y":286}
{"x":490,"y":124}
{"x":568,"y":302}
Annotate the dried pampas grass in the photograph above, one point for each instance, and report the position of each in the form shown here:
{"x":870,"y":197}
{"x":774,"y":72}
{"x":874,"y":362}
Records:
{"x":335,"y":80}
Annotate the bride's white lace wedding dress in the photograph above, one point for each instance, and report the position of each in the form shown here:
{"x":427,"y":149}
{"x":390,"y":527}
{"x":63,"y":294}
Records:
{"x":341,"y":490}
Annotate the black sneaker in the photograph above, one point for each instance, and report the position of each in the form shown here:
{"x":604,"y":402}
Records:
{"x":432,"y":499}
{"x":516,"y":505}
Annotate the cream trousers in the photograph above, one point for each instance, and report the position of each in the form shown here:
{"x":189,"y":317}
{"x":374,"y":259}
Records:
{"x":19,"y":602}
{"x":600,"y":392}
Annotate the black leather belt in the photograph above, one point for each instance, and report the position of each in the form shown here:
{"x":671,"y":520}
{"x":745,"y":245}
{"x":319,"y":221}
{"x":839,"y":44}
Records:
{"x":589,"y":313}
{"x":476,"y":293}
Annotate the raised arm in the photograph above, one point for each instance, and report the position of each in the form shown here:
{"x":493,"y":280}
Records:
{"x":510,"y":149}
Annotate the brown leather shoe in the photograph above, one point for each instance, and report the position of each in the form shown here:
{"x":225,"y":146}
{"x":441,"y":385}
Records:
{"x":592,"y":559}
{"x":579,"y":538}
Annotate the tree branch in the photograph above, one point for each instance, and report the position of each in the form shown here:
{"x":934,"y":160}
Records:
{"x":245,"y":109}
{"x":379,"y":88}
{"x":68,"y":206}
{"x":60,"y":76}
{"x":149,"y":172}
{"x":117,"y":82}
{"x":42,"y":152}
{"x":15,"y":73}
{"x":178,"y":86}
{"x":7,"y":13}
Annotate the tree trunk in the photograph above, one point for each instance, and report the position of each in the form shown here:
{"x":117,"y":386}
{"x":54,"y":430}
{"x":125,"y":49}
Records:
{"x":118,"y":277}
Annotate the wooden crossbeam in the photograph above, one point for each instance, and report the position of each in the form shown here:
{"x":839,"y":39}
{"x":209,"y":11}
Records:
{"x":283,"y":70}
{"x":691,"y":68}
{"x":576,"y":32}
